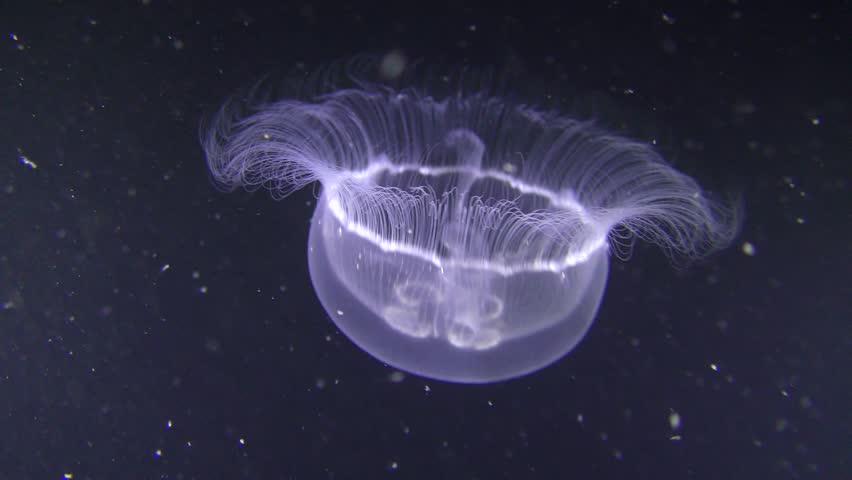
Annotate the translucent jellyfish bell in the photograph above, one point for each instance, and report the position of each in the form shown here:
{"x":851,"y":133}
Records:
{"x":463,"y":238}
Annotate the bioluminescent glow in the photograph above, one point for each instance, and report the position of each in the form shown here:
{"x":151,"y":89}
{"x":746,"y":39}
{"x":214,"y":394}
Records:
{"x":463,"y":238}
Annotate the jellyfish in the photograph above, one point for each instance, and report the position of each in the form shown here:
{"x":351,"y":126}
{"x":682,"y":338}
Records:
{"x":464,"y":236}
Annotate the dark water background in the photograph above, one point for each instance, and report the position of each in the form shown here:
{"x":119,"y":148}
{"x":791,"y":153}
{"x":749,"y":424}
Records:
{"x":152,"y":327}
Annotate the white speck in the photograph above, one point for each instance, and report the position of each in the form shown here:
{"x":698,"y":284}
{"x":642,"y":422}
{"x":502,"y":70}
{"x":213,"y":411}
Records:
{"x":242,"y":441}
{"x":393,"y":64}
{"x":165,"y":267}
{"x":749,"y":249}
{"x":815,"y":121}
{"x":744,"y":107}
{"x":203,"y":289}
{"x":580,"y":418}
{"x":714,"y":367}
{"x":674,"y":420}
{"x":169,"y":424}
{"x":670,"y":20}
{"x":340,"y":312}
{"x":396,"y":376}
{"x":158,"y":453}
{"x":26,"y":160}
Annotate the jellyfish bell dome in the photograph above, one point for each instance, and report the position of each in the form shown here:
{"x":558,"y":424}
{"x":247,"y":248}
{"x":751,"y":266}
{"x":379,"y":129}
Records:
{"x":463,"y":237}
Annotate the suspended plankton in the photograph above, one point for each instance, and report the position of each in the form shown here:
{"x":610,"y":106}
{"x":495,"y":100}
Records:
{"x":466,"y":237}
